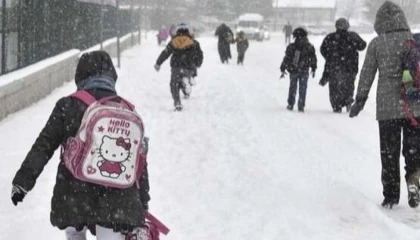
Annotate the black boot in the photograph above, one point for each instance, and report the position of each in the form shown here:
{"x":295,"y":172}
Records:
{"x":389,"y":203}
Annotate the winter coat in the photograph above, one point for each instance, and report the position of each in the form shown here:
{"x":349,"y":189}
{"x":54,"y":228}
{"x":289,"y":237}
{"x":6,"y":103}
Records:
{"x":340,"y":50}
{"x":74,"y":202}
{"x":163,"y":34}
{"x":225,"y":35}
{"x":242,"y":44}
{"x":385,"y":53}
{"x":287,"y":29}
{"x":300,"y":56}
{"x":172,"y":30}
{"x":186,"y":53}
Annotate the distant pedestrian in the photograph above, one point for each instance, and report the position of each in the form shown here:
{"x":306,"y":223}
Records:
{"x":242,"y":45}
{"x":288,"y":29}
{"x":162,"y":35}
{"x":225,"y":35}
{"x":300,"y":57}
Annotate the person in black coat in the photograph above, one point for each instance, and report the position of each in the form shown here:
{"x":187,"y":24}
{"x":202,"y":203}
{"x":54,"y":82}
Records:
{"x":187,"y":56}
{"x":77,"y":205}
{"x":287,"y":29}
{"x":242,"y":45}
{"x":225,"y":35}
{"x":340,"y":50}
{"x":300,"y":57}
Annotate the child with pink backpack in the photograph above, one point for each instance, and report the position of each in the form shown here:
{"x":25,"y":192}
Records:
{"x":102,"y":182}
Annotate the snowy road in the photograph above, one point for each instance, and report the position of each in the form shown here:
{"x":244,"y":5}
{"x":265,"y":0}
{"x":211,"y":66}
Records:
{"x":235,"y":164}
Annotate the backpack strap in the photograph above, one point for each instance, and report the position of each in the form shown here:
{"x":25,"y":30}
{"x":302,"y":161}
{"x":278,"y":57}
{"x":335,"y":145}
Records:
{"x":159,"y":225}
{"x":406,"y":108}
{"x":126,"y":103}
{"x":88,"y":99}
{"x":84,"y":96}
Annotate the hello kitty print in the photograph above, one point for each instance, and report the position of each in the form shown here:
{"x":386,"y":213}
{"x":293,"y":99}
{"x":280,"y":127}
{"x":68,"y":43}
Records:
{"x":108,"y":148}
{"x":114,"y":151}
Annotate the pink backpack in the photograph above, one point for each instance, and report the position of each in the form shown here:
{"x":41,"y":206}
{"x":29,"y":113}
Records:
{"x":108,"y":148}
{"x":150,"y":231}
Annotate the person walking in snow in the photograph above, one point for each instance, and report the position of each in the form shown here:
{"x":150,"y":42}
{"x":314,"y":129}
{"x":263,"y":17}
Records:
{"x":187,"y":56}
{"x":300,"y":57}
{"x":287,"y":30}
{"x":162,"y":35}
{"x":242,"y":45}
{"x":225,"y":35}
{"x":172,"y":30}
{"x":78,"y":205}
{"x":385,"y":54}
{"x":340,"y":50}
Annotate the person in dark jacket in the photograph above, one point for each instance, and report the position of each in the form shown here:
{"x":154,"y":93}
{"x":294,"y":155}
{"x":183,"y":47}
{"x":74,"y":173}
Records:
{"x":300,"y":56}
{"x":242,"y":45}
{"x":287,"y":30}
{"x":385,"y":54}
{"x":340,"y":50}
{"x":77,"y":205}
{"x":172,"y":30}
{"x":187,"y":56}
{"x":225,"y":35}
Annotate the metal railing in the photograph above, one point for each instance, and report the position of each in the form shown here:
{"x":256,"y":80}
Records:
{"x":35,"y":30}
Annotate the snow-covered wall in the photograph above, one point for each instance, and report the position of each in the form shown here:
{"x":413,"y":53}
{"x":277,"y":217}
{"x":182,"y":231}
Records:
{"x":23,"y":87}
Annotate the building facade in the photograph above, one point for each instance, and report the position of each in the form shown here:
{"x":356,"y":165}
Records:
{"x":304,"y":12}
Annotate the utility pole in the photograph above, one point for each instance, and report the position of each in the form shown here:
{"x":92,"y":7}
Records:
{"x":102,"y":24}
{"x":140,"y":18}
{"x":132,"y":22}
{"x":118,"y":34}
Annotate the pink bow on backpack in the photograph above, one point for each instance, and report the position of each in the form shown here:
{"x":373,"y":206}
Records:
{"x":122,"y":143}
{"x":151,"y":229}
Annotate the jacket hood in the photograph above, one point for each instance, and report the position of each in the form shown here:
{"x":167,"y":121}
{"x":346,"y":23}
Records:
{"x":299,"y":33}
{"x":94,"y":64}
{"x":390,"y":17}
{"x":342,"y":24}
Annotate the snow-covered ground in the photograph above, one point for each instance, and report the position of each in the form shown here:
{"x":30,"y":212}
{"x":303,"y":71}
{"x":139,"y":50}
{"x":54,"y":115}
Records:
{"x":235,"y":164}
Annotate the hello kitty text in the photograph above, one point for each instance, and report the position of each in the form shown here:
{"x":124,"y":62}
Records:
{"x":119,"y":127}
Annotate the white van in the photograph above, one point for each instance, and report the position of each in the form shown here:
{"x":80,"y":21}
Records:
{"x":252,"y":24}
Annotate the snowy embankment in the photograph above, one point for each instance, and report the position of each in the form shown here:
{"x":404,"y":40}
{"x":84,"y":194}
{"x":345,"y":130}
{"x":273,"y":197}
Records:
{"x":235,"y":164}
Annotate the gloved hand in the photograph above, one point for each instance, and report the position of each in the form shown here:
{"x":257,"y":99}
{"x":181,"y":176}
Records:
{"x":157,"y":67}
{"x":357,"y":107}
{"x":323,"y":81}
{"x":18,"y":193}
{"x":283,"y":74}
{"x":313,"y":74}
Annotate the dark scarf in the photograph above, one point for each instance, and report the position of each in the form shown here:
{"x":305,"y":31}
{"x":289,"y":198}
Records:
{"x":97,"y":82}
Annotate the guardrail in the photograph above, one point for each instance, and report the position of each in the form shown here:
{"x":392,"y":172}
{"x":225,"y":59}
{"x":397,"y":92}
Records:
{"x":21,"y":88}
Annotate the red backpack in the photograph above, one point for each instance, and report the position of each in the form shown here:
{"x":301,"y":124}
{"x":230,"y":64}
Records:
{"x":410,"y":85}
